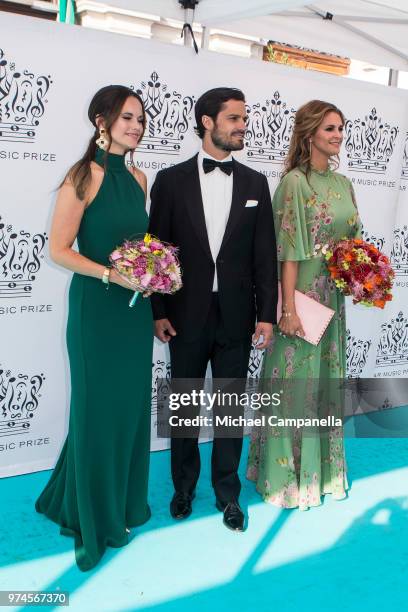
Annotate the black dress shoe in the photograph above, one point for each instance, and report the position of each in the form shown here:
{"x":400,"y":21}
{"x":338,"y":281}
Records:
{"x":180,"y":505}
{"x":233,"y":516}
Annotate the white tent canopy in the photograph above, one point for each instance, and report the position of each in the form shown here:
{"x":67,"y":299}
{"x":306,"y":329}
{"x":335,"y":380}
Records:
{"x":375,"y":31}
{"x":207,"y":12}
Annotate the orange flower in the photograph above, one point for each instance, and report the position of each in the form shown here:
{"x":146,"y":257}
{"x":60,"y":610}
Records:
{"x":379,"y":303}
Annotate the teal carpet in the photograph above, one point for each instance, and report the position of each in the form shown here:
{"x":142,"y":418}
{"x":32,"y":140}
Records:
{"x":340,"y":556}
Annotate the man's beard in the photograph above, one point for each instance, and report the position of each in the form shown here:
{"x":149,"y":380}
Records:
{"x":224,"y":144}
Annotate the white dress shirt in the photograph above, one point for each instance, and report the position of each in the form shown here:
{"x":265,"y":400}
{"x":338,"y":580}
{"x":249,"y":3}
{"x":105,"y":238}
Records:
{"x":216,"y":192}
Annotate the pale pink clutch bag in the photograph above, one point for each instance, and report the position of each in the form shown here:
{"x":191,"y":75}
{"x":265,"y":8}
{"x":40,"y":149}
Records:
{"x":315,"y":317}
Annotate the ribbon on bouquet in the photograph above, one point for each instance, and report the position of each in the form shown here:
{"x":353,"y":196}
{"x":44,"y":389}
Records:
{"x":133,"y":299}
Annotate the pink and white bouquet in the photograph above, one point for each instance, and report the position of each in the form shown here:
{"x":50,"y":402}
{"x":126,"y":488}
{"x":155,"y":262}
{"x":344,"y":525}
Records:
{"x":150,"y":266}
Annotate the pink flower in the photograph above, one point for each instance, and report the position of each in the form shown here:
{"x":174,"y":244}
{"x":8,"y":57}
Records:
{"x":357,"y":289}
{"x":166,"y":283}
{"x":151,"y":266}
{"x":145,"y":280}
{"x":156,"y":246}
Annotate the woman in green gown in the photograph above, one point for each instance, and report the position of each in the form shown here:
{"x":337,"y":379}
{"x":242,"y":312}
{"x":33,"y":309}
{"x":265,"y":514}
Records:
{"x":313,"y":205}
{"x":98,"y":489}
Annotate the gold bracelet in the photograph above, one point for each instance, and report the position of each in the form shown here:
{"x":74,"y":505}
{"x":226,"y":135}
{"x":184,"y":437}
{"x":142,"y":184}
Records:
{"x":105,"y":277}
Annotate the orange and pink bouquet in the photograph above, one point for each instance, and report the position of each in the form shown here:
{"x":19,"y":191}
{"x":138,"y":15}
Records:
{"x":360,"y":270}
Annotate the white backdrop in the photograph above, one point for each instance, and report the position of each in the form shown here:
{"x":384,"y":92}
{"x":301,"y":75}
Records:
{"x":48,"y":74}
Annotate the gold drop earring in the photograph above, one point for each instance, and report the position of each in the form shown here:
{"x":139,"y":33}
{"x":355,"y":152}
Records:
{"x":102,"y":141}
{"x":310,"y":148}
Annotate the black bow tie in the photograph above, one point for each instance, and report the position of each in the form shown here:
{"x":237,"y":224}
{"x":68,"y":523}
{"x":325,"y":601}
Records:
{"x":210,"y":164}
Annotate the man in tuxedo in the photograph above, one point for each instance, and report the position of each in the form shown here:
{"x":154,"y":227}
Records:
{"x":219,"y":213}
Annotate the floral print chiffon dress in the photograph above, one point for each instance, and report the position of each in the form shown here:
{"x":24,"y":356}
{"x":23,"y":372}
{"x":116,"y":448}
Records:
{"x":291,"y":469}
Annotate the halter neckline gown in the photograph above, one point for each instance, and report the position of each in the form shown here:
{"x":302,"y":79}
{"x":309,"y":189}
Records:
{"x":99,"y":485}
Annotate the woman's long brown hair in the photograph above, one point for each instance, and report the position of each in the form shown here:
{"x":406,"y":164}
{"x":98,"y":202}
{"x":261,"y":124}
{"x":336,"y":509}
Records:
{"x":107,"y":103}
{"x":307,"y":120}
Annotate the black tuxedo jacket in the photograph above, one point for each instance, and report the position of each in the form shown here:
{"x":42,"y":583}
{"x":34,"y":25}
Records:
{"x":246,"y":263}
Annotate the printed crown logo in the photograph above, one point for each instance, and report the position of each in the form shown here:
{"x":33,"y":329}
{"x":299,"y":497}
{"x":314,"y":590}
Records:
{"x":356,"y":354}
{"x":19,"y":395}
{"x":376,"y":241}
{"x":399,"y":251}
{"x":22,"y":102}
{"x":161,"y":380}
{"x":161,"y":387}
{"x":269,"y":129}
{"x":393,"y":345}
{"x":404,"y":171}
{"x":20,"y":260}
{"x":168,"y":117}
{"x":255,"y":363}
{"x":369,"y":143}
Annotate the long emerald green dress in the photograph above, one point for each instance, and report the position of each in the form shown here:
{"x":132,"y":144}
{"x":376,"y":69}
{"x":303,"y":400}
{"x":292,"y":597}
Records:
{"x":99,"y":485}
{"x":291,"y":469}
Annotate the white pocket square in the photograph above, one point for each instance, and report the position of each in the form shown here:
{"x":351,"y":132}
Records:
{"x":251,"y":203}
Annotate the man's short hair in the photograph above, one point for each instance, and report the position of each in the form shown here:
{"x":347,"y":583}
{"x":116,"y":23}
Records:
{"x":212,"y":102}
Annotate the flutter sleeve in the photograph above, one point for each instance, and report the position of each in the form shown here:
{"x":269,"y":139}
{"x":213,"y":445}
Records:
{"x":291,"y":202}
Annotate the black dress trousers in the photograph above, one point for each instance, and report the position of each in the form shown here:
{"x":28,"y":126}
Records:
{"x":229,"y":360}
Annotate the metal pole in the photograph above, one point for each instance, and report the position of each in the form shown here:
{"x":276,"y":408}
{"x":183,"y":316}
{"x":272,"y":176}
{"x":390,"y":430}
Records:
{"x":257,"y":50}
{"x":339,"y":21}
{"x":205,"y":37}
{"x":188,"y":18}
{"x":385,"y":6}
{"x":393,"y":78}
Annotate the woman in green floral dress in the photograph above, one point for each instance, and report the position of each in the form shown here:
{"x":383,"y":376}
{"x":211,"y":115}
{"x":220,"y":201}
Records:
{"x":313,"y":205}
